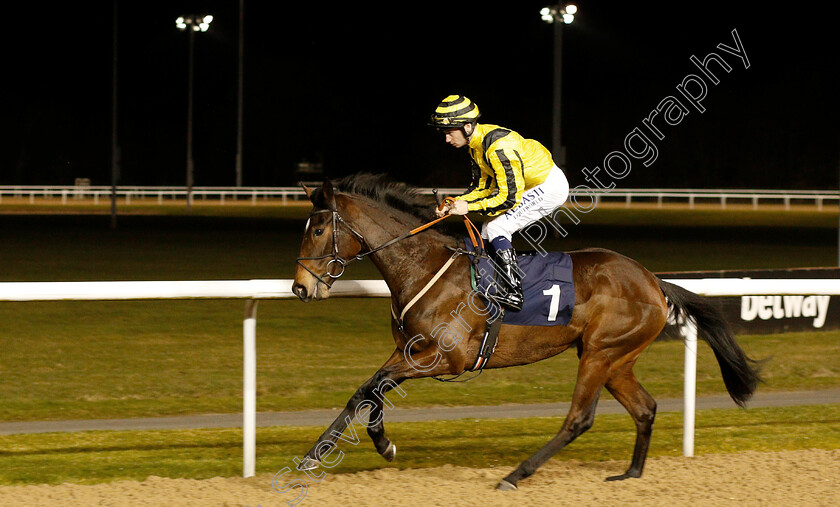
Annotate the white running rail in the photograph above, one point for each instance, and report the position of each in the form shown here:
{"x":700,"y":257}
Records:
{"x":163,"y":194}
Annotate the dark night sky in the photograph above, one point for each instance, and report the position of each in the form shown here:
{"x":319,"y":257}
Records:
{"x":352,"y":86}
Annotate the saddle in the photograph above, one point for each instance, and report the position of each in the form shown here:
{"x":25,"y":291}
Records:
{"x":547,"y":285}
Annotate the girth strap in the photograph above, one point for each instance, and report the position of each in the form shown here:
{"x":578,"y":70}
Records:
{"x":422,"y":292}
{"x":491,"y":333}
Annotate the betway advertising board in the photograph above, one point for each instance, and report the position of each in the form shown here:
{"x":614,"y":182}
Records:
{"x":763,"y":314}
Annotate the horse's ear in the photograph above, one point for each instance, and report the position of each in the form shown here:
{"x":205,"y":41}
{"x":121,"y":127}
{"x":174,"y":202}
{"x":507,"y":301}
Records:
{"x":329,"y":194}
{"x":321,"y":197}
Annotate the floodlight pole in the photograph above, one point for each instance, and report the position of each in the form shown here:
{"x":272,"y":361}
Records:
{"x":191,"y":24}
{"x":115,"y":149}
{"x":556,"y":140}
{"x":190,"y":165}
{"x":239,"y":94}
{"x":558,"y":15}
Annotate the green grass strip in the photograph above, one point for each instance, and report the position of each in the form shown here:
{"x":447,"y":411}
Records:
{"x":75,"y":360}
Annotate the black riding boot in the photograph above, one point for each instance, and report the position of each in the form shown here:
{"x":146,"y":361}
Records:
{"x":509,"y":286}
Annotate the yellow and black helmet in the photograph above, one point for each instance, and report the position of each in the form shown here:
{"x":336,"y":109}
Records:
{"x":454,"y":112}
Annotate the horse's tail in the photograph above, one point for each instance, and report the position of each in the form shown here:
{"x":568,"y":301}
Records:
{"x":740,"y":373}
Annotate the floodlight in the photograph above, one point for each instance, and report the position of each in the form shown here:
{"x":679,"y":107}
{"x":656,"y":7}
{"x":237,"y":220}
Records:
{"x":547,"y":14}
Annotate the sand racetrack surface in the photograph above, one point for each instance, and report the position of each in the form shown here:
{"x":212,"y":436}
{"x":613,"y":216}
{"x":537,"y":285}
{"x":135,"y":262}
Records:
{"x":802,"y":478}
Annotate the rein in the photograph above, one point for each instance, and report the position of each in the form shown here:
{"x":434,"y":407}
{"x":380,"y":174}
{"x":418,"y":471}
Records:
{"x":342,"y":262}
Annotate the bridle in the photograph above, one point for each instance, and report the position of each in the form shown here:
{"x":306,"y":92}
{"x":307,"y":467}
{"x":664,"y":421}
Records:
{"x":342,"y":262}
{"x":336,"y":257}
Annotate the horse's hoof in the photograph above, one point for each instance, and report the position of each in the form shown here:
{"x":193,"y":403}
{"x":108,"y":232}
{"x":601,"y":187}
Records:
{"x":622,"y":477}
{"x":308,"y":463}
{"x":506,"y":486}
{"x":390,"y":453}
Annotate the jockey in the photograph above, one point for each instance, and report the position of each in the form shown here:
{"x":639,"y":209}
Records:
{"x":514,"y":180}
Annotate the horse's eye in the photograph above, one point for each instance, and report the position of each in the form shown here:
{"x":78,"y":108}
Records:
{"x":318,"y":232}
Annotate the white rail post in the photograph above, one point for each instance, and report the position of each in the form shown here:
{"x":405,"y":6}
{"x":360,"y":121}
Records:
{"x":249,"y":388}
{"x":689,"y":332}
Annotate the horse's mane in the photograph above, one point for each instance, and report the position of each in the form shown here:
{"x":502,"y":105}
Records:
{"x":381,"y":189}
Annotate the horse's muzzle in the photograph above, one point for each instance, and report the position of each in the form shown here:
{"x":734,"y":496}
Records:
{"x":300,"y":291}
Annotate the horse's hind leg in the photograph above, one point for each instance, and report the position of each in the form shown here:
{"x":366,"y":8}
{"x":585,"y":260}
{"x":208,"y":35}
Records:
{"x":592,"y":374}
{"x":642,"y":408}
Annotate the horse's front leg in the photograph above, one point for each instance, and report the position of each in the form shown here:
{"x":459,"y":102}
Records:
{"x":326,"y":442}
{"x":367,"y":402}
{"x":375,"y":425}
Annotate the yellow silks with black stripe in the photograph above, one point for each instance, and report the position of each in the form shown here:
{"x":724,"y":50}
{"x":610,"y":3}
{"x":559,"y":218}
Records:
{"x":507,"y":162}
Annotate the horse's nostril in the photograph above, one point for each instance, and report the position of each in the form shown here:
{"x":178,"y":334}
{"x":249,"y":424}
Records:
{"x":299,"y":290}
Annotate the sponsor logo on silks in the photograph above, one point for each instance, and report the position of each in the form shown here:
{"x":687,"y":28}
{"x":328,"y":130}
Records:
{"x":785,"y":307}
{"x":530,"y":199}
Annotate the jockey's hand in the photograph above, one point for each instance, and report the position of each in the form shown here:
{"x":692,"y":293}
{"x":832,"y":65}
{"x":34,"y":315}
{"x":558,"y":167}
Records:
{"x":443,"y":210}
{"x":459,"y":207}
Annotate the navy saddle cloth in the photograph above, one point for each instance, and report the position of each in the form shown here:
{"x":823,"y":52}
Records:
{"x":547,"y":285}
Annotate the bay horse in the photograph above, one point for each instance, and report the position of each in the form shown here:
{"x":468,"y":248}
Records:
{"x":620,"y":308}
